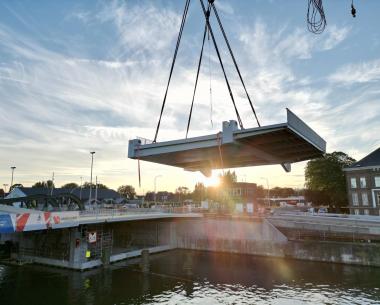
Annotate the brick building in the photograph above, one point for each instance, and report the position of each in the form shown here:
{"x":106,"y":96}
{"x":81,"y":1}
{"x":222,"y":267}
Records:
{"x":242,"y":191}
{"x":363,"y":185}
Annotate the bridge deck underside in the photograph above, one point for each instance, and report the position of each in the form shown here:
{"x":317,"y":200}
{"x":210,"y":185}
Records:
{"x":281,"y":145}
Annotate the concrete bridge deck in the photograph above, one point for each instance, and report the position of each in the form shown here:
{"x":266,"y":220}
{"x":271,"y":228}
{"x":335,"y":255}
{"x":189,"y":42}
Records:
{"x":14,"y":219}
{"x":327,"y":227}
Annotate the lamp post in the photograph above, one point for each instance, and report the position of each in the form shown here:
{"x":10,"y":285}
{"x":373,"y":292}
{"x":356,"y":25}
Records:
{"x":92,"y":164}
{"x":13,"y":170}
{"x":81,"y":186}
{"x":265,"y":178}
{"x":155,"y":188}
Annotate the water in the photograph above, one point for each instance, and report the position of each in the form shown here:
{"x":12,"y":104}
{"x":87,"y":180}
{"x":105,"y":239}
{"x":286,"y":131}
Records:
{"x":193,"y":277}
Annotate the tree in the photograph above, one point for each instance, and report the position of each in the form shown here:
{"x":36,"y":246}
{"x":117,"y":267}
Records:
{"x":44,"y":184}
{"x":282,"y":192}
{"x":199,"y":192}
{"x":70,"y":185}
{"x":86,"y":185}
{"x":127,"y":191}
{"x":182,"y":193}
{"x":227,"y":178}
{"x":324,"y":178}
{"x":14,"y":186}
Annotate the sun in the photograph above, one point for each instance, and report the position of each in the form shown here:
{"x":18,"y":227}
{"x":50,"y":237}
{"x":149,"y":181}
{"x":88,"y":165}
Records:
{"x":211,"y":181}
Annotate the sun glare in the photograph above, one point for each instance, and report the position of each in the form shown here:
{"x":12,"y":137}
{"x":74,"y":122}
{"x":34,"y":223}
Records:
{"x":211,"y":181}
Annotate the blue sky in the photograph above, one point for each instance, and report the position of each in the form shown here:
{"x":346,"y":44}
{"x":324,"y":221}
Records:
{"x":77,"y":76}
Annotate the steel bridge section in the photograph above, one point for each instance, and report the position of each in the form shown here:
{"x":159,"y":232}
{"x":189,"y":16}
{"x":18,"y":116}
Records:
{"x":284,"y":143}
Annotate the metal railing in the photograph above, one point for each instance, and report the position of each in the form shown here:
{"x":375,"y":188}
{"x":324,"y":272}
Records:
{"x":144,"y":140}
{"x":134,"y":211}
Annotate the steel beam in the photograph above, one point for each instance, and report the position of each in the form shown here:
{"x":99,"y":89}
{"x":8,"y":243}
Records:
{"x":283,"y":143}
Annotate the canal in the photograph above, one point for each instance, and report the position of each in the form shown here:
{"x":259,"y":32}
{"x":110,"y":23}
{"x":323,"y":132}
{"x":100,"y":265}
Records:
{"x":193,"y":277}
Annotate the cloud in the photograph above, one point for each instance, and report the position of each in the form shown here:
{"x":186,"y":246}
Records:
{"x":335,"y":36}
{"x":144,"y":27}
{"x":363,"y":72}
{"x":56,"y":106}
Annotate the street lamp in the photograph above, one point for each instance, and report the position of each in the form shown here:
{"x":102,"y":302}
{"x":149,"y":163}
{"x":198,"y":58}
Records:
{"x":13,"y":169}
{"x":265,"y":178}
{"x":155,"y":187}
{"x":92,"y":164}
{"x":81,"y":186}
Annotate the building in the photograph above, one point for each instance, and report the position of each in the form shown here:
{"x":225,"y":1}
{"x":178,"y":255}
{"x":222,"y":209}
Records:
{"x":363,"y":185}
{"x":102,"y":196}
{"x":242,"y":192}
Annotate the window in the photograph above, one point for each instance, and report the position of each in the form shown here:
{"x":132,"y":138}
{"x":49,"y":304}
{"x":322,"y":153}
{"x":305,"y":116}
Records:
{"x":363,"y":182}
{"x":355,"y":198}
{"x":377,"y":181}
{"x":365,"y":198}
{"x":366,"y":212}
{"x":356,"y":211}
{"x":353,"y":183}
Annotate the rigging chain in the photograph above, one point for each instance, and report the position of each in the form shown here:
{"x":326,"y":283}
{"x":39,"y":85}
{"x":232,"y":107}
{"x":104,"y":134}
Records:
{"x":234,"y":60}
{"x":222,"y":66}
{"x":172,"y":66}
{"x":199,"y":67}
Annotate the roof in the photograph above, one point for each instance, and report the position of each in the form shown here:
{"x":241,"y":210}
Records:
{"x":373,"y":159}
{"x":101,"y":193}
{"x":244,"y":184}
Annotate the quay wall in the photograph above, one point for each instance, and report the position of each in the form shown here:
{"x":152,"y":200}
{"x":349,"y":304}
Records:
{"x":259,"y":237}
{"x":71,"y":247}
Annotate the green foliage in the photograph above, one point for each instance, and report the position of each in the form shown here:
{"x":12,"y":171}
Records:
{"x":44,"y":184}
{"x":14,"y":186}
{"x":282,"y":192}
{"x":70,"y":185}
{"x":325,"y":176}
{"x":86,"y":185}
{"x":227,"y":178}
{"x":199,"y":192}
{"x":127,"y":191}
{"x":182,"y":193}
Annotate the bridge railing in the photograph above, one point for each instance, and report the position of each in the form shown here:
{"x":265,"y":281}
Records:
{"x":101,"y":212}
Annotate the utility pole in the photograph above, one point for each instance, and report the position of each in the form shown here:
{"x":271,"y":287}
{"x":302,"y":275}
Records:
{"x":265,"y":178}
{"x":96,"y":191}
{"x":13,"y":169}
{"x":52,"y":185}
{"x":81,"y":186}
{"x":155,"y":188}
{"x":92,"y":164}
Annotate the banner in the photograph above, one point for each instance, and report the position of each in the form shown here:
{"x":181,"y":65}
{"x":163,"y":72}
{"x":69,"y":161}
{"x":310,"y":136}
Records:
{"x":22,"y":222}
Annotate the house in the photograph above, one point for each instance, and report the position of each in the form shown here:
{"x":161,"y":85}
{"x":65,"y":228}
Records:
{"x":102,"y":196}
{"x":363,"y":185}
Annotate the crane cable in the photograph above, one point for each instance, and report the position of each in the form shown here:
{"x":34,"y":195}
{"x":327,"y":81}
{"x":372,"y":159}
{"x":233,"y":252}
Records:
{"x":222,"y":66}
{"x":172,"y":66}
{"x":210,"y":72}
{"x":316,"y":19}
{"x":234,"y":60}
{"x":196,"y":79}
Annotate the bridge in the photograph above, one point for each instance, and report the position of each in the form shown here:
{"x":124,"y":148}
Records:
{"x":90,"y":238}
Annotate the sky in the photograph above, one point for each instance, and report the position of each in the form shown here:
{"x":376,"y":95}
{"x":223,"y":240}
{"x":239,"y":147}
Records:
{"x":81,"y":76}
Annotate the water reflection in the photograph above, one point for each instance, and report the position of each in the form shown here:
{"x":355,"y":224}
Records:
{"x":183,"y":277}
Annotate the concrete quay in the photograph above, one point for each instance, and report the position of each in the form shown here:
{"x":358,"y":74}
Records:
{"x":101,"y":240}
